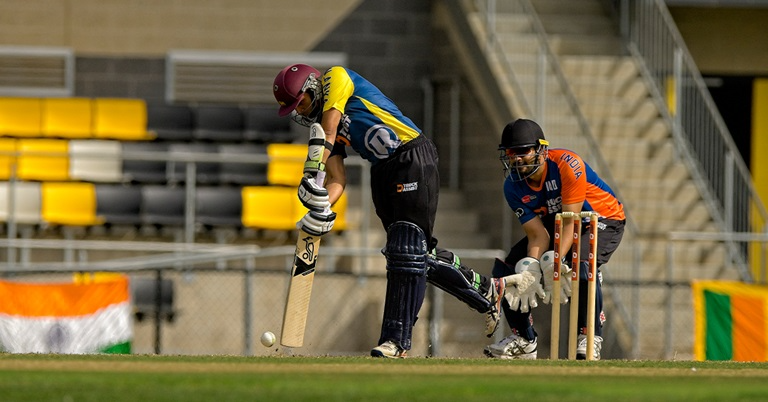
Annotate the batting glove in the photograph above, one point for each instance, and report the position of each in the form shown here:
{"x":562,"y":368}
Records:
{"x":527,"y":283}
{"x":317,"y":223}
{"x":312,"y":195}
{"x":548,"y":270}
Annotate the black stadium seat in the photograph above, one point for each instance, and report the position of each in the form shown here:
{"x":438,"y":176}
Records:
{"x":118,"y":204}
{"x":218,"y":123}
{"x":246,"y":174}
{"x":219,"y":206}
{"x":170,"y":122}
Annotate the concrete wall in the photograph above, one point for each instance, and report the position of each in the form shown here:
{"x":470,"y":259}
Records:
{"x":727,"y":41}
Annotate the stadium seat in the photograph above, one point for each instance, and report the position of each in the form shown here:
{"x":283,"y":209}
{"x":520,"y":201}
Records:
{"x":69,"y":204}
{"x":95,"y":160}
{"x":8,"y":149}
{"x":26,"y":202}
{"x":271,"y":207}
{"x":20,"y":117}
{"x":144,"y":171}
{"x":219,"y":206}
{"x":163,"y":205}
{"x":263,"y":125}
{"x":205,"y":172}
{"x":170,"y":122}
{"x":286,"y":164}
{"x":218,"y":123}
{"x":120,"y":119}
{"x":245,"y":174}
{"x":43,"y":159}
{"x":118,"y":204}
{"x":67,"y":118}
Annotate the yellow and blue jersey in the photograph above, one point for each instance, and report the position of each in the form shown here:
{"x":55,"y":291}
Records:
{"x":371,"y":123}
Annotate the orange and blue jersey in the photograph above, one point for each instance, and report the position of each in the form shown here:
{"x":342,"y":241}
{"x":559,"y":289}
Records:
{"x":568,"y":180}
{"x":371,"y":123}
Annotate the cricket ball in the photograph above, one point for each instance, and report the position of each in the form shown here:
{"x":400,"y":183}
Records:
{"x":268,"y":339}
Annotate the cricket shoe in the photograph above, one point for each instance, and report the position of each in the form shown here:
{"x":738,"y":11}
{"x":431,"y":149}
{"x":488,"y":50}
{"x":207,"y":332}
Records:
{"x":495,"y":295}
{"x":389,"y":350}
{"x":513,"y":347}
{"x":581,"y":348}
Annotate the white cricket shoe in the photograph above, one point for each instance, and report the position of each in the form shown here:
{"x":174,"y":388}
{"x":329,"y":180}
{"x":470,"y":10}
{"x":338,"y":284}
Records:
{"x":495,"y":295}
{"x":581,"y":348}
{"x":388,"y":349}
{"x":512,"y":347}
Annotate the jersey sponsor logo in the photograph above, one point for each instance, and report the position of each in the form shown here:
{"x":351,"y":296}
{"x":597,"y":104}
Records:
{"x":519,"y":212}
{"x":405,"y":187}
{"x":343,"y":133}
{"x":381,"y":141}
{"x":528,"y":198}
{"x":573,"y":163}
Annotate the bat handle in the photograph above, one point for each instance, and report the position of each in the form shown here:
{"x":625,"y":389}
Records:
{"x":320,"y":180}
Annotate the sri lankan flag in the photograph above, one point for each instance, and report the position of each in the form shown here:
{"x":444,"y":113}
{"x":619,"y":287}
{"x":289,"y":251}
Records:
{"x":731,"y":321}
{"x":75,"y":318}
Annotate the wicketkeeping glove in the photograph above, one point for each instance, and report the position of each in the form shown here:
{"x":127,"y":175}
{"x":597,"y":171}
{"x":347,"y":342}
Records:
{"x":527,"y":285}
{"x":317,"y":223}
{"x":548,"y":270}
{"x":312,"y":195}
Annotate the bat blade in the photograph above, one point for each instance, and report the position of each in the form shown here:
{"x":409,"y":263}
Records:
{"x":303,"y":272}
{"x":299,"y":291}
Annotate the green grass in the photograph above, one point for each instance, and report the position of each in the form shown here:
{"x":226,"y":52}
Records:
{"x":222,"y":378}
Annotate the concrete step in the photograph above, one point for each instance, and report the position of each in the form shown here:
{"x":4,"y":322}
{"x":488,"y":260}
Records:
{"x":567,"y":7}
{"x":652,"y":130}
{"x":578,"y":24}
{"x":611,"y":68}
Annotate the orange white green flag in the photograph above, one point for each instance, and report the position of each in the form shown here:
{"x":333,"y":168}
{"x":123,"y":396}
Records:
{"x":731,"y":321}
{"x":73,"y":318}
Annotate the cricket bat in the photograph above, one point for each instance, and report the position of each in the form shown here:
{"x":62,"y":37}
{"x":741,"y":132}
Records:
{"x":303,"y":271}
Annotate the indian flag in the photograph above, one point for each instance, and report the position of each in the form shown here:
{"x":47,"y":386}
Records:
{"x":66,"y":317}
{"x":731,"y":321}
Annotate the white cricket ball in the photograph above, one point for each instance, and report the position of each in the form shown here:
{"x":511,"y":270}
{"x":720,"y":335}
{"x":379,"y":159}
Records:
{"x":268,"y":339}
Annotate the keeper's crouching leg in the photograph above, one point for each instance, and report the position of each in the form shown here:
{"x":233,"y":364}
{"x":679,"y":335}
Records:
{"x":406,"y":254}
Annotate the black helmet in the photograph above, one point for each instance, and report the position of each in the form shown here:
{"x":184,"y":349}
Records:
{"x":522,"y":133}
{"x":523,"y":149}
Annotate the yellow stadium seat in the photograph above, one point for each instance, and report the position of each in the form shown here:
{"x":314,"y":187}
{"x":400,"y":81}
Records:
{"x":69,"y":204}
{"x":120,"y":119}
{"x":279,"y":208}
{"x":20,"y":117}
{"x":67,"y":117}
{"x":271,"y":207}
{"x":43,"y":159}
{"x":7,"y":157}
{"x":286,"y":163}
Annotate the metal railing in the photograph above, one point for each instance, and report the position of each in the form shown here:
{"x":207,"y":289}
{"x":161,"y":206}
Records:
{"x":702,"y":139}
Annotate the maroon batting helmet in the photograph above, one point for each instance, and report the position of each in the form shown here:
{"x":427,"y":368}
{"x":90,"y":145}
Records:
{"x":292,"y":82}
